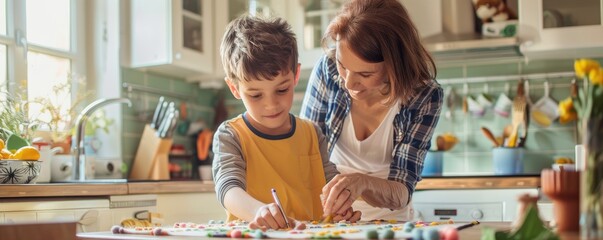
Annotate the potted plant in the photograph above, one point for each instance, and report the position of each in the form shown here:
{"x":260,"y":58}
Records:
{"x":58,"y":113}
{"x":14,"y":120}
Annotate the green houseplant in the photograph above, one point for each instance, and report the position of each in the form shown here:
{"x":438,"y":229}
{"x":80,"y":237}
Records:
{"x":14,"y":119}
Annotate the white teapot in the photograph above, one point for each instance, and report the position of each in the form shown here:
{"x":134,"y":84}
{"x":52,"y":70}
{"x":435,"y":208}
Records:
{"x":46,"y":155}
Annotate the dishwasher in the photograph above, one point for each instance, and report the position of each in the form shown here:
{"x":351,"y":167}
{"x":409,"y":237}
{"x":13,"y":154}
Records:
{"x":465,"y":205}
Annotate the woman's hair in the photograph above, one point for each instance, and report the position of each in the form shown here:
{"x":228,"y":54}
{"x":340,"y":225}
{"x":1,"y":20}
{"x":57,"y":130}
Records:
{"x":256,"y":48}
{"x":382,"y":31}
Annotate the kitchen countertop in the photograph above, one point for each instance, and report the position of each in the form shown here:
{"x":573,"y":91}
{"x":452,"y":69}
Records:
{"x":474,"y":232}
{"x":158,"y":187}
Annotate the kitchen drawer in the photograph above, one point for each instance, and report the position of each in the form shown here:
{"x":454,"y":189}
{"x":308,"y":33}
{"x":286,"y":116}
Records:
{"x":20,"y":217}
{"x":56,"y":216}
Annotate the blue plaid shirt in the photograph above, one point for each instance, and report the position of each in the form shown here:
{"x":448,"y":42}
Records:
{"x":327,"y":103}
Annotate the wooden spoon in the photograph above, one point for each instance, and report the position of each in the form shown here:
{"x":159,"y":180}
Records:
{"x":507,"y":131}
{"x":490,"y":136}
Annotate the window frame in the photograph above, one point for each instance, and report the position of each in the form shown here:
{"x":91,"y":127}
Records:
{"x":16,"y":53}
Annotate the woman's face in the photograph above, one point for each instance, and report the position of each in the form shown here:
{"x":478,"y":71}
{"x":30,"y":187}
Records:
{"x":364,"y":80}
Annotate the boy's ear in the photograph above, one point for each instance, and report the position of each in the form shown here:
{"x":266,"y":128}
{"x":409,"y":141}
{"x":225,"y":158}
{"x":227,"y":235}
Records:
{"x":233,"y":88}
{"x":296,"y":80}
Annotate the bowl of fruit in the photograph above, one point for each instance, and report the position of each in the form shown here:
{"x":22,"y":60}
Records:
{"x":20,"y":164}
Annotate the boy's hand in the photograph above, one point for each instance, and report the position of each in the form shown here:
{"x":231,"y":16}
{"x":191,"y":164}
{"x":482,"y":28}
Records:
{"x":269,"y":217}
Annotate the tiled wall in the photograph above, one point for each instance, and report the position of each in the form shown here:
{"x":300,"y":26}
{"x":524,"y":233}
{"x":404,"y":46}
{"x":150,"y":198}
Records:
{"x":200,"y":107}
{"x":471,"y":156}
{"x":473,"y":153}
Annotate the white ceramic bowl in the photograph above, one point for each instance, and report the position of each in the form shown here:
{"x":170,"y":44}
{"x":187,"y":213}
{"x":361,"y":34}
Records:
{"x":19,"y":171}
{"x":566,"y":167}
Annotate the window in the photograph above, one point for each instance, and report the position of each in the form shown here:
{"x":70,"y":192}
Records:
{"x":39,"y":46}
{"x":3,"y":62}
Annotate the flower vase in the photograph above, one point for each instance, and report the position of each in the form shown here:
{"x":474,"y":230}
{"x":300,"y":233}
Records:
{"x":591,"y":131}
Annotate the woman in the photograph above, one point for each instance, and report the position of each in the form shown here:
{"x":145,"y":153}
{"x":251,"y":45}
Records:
{"x":375,"y":98}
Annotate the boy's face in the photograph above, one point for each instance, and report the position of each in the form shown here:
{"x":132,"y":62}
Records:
{"x":267,"y":101}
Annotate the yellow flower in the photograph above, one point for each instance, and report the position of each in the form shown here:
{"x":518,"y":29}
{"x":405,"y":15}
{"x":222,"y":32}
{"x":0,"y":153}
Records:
{"x":584,"y":66}
{"x":567,"y":113}
{"x":596,"y":76}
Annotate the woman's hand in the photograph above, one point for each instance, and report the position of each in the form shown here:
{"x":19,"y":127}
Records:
{"x":341,"y":192}
{"x":350,"y":215}
{"x":270,"y":217}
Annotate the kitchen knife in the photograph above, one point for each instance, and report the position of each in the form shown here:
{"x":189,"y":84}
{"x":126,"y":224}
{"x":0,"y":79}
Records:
{"x":172,"y":125}
{"x":161,"y":115}
{"x":156,"y":113}
{"x":161,"y":132}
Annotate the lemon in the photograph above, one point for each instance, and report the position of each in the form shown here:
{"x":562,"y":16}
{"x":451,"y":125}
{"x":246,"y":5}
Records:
{"x":27,"y":153}
{"x":564,"y":160}
{"x":1,"y":144}
{"x":5,"y":154}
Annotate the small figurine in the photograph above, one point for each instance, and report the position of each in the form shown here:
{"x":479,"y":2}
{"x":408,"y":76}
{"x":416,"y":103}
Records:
{"x":493,"y":11}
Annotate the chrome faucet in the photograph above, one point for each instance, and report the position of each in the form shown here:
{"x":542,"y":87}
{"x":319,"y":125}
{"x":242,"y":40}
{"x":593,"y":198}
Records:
{"x":77,"y":149}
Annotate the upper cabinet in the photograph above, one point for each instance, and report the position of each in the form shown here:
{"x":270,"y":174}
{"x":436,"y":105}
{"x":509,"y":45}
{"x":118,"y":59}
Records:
{"x":172,"y":37}
{"x":309,"y":20}
{"x":561,"y":28}
{"x":182,"y":38}
{"x":226,"y":11}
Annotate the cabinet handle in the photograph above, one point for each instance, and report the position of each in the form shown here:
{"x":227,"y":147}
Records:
{"x":88,"y":218}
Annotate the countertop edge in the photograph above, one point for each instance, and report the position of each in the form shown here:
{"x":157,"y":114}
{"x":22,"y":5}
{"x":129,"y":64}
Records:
{"x":479,"y":183}
{"x":161,"y":187}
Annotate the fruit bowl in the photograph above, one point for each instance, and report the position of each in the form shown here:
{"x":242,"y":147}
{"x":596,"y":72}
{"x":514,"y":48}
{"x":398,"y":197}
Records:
{"x":19,"y":171}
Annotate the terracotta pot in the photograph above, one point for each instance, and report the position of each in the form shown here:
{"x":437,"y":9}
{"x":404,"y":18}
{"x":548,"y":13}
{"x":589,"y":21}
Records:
{"x":563,"y":187}
{"x":66,"y":146}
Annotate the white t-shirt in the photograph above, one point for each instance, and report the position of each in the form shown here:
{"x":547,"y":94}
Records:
{"x":371,"y":156}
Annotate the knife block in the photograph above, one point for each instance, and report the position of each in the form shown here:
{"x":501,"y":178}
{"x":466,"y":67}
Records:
{"x":151,"y":161}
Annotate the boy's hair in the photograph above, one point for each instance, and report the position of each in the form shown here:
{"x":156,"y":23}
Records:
{"x":258,"y":48}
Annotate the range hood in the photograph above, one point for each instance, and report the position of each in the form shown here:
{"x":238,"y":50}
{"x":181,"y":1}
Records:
{"x":448,"y":47}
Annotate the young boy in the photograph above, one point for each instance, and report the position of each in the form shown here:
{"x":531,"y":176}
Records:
{"x":266,"y":147}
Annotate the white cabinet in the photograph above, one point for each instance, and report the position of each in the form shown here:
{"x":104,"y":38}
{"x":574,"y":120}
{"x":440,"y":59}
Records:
{"x":90,"y":214}
{"x":561,"y":29}
{"x":226,"y":11}
{"x":206,"y":207}
{"x":172,"y":37}
{"x":182,"y":38}
{"x":20,"y":217}
{"x":309,"y":20}
{"x":128,"y":206}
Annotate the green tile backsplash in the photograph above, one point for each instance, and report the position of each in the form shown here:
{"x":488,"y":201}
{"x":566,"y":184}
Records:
{"x":199,"y":102}
{"x":471,"y":156}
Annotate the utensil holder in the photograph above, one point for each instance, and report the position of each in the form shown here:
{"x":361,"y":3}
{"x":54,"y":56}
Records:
{"x":151,"y":161}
